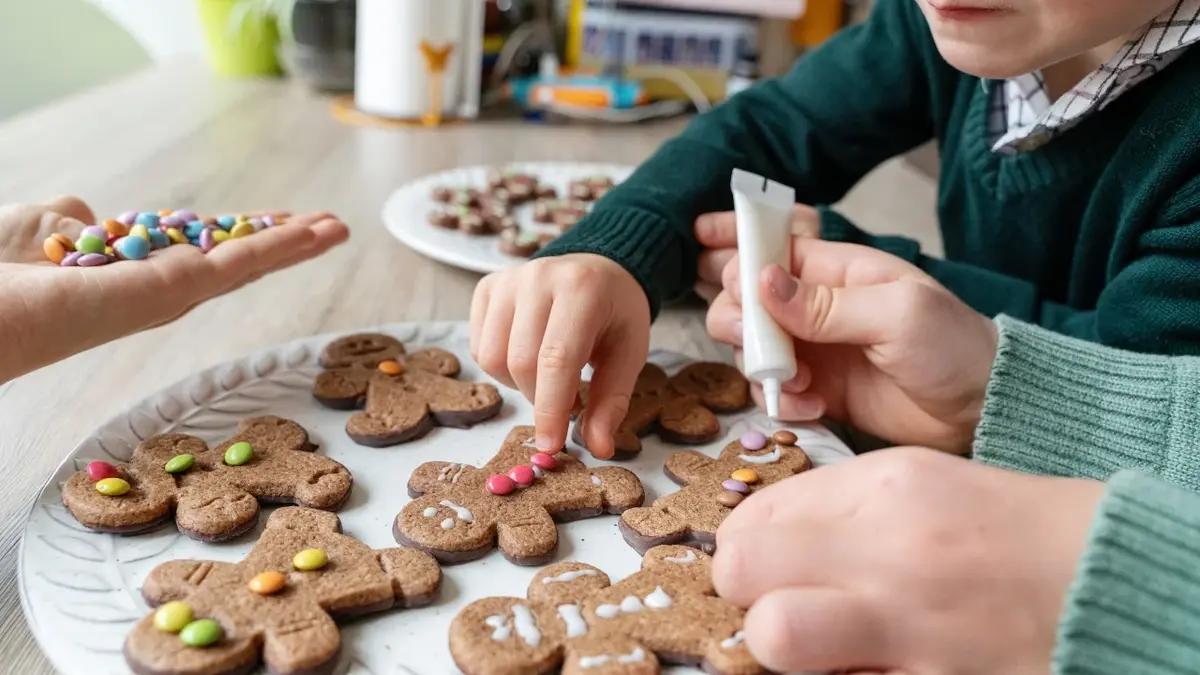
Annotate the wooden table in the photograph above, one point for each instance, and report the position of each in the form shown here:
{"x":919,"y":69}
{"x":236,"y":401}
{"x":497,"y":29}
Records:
{"x":173,"y":137}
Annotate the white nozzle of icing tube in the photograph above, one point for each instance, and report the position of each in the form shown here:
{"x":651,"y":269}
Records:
{"x":763,"y":209}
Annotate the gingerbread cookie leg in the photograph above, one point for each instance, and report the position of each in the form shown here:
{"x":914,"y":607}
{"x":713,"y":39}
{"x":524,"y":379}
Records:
{"x":150,"y":651}
{"x":529,"y":537}
{"x":302,"y":643}
{"x":415,"y":577}
{"x":646,"y":527}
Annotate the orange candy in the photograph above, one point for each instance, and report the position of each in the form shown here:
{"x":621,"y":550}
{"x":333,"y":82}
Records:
{"x":64,"y":240}
{"x":164,"y":213}
{"x":115,"y":228}
{"x":391,"y":368}
{"x":267,"y":583}
{"x":54,"y":250}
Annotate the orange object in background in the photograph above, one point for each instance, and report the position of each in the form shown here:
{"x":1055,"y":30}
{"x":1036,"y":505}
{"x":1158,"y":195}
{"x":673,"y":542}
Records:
{"x":822,"y":18}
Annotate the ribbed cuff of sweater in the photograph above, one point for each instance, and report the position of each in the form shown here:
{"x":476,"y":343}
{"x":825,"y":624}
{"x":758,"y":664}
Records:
{"x":1134,"y":606}
{"x":836,"y":227}
{"x":639,"y":241}
{"x":1061,"y":406}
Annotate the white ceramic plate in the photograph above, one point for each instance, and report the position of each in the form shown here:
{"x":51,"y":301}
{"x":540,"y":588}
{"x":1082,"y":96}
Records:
{"x":406,"y":210}
{"x":80,"y":589}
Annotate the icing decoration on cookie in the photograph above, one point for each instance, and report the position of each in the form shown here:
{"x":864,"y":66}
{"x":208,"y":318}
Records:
{"x":213,"y":500}
{"x":429,"y":512}
{"x":520,"y":522}
{"x":691,"y":515}
{"x":596,"y":480}
{"x":769,"y":458}
{"x":451,"y":472}
{"x":664,"y":611}
{"x":447,"y":523}
{"x":734,"y":640}
{"x":567,"y":577}
{"x":685,"y":559}
{"x":681,"y":409}
{"x":402,"y":407}
{"x":240,"y":628}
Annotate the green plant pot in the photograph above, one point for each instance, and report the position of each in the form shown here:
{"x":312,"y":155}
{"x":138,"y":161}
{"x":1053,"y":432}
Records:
{"x":239,"y":45}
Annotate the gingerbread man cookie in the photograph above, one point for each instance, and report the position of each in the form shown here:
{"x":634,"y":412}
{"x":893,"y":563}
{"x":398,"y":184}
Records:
{"x":517,"y":187}
{"x":459,"y":512}
{"x":403,"y":395}
{"x":213,"y":492}
{"x":589,"y":189}
{"x":680,"y":408}
{"x":712,"y":488}
{"x":574,"y":619}
{"x":278,"y":605}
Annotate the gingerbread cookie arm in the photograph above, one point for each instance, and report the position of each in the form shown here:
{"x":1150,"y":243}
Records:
{"x":436,"y":476}
{"x":620,"y":489}
{"x":178,"y":579}
{"x":342,"y":389}
{"x":688,"y":466}
{"x":302,"y":642}
{"x":415,"y":575}
{"x":436,"y":361}
{"x":462,"y":404}
{"x":149,"y":650}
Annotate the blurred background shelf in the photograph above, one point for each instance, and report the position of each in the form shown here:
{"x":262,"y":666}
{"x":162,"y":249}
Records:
{"x":772,"y":9}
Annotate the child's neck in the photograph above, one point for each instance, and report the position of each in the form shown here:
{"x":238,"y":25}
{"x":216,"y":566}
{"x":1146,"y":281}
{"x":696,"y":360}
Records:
{"x":1061,"y":77}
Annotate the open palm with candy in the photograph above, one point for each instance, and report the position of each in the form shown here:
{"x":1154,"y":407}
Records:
{"x":49,"y":312}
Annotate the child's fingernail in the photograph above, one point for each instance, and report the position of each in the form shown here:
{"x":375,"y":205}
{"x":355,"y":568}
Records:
{"x":783,"y":286}
{"x":738,"y":331}
{"x":543,"y":443}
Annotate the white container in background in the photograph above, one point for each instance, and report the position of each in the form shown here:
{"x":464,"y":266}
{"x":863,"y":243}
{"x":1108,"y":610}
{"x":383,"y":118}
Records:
{"x":391,"y":73}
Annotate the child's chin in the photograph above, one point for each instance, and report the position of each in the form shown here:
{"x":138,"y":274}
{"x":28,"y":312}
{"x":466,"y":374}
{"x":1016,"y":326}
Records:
{"x":987,"y":61}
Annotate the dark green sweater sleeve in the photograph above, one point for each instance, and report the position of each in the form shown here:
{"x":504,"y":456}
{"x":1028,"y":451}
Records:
{"x":861,"y":98}
{"x":1150,"y":304}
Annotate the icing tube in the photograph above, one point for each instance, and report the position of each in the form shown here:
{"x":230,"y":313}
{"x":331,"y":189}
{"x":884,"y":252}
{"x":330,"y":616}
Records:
{"x":763,"y":209}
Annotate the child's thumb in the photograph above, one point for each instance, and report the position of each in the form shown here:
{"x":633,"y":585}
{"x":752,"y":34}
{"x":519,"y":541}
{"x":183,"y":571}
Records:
{"x":859,"y":315}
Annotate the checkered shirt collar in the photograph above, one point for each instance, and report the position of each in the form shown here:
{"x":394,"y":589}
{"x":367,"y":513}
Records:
{"x":1022,"y":117}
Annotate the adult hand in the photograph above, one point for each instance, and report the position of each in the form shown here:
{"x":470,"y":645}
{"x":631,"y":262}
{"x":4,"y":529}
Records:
{"x":48,"y":313}
{"x":535,"y":326}
{"x":717,"y":232}
{"x":905,"y":561}
{"x":880,"y":344}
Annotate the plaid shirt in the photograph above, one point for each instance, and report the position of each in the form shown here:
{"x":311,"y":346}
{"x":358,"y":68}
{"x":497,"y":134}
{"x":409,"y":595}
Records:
{"x":1023,"y":118}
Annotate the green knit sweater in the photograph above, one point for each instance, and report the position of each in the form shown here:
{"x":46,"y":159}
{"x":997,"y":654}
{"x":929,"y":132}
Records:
{"x":1096,"y":234}
{"x":1062,"y":407}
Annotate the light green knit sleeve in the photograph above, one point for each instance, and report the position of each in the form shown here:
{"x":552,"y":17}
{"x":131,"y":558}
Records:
{"x":1061,"y":406}
{"x":1134,"y":606}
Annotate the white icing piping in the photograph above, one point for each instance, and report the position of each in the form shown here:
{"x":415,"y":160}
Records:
{"x":733,"y":641}
{"x":500,"y":624}
{"x":769,"y":458}
{"x":596,"y":480}
{"x":571,"y":616}
{"x":461,"y":511}
{"x":635,"y":656}
{"x":447,"y":523}
{"x":526,"y":625}
{"x":569,"y":576}
{"x":454,"y":468}
{"x":658,"y":599}
{"x":689,"y":557}
{"x":429,"y":512}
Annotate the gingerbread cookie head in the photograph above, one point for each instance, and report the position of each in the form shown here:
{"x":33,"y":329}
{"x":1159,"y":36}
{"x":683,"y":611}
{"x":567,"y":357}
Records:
{"x":403,"y":396}
{"x":682,"y":408}
{"x":460,"y":512}
{"x":215,"y":492}
{"x":574,"y":618}
{"x":712,"y":488}
{"x":279,"y":605}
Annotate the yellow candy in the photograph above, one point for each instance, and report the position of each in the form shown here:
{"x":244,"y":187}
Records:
{"x":108,"y":250}
{"x":267,"y":583}
{"x":140,"y":231}
{"x":745,"y":475}
{"x":220,"y":236}
{"x":241,"y":230}
{"x":310,"y":559}
{"x":176,"y":236}
{"x":113,"y":487}
{"x":173,"y":616}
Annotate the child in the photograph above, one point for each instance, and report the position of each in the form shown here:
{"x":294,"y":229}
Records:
{"x":47,"y":314}
{"x":1069,"y":192}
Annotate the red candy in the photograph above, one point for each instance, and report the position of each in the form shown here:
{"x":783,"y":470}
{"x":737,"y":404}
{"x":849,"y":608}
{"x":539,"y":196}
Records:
{"x":544,"y":461}
{"x":500,"y":484}
{"x":98,"y":471}
{"x":522,"y":475}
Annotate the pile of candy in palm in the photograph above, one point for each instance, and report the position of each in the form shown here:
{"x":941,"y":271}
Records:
{"x":133,"y":235}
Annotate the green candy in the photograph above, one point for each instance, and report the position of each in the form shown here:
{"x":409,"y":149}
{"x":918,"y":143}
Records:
{"x":239,"y":453}
{"x":201,"y":633}
{"x":180,"y":463}
{"x":89,"y":244}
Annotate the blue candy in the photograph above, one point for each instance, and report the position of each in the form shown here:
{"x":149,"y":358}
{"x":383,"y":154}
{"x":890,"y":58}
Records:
{"x":226,"y":222}
{"x":132,"y":248}
{"x":193,"y":229}
{"x":159,"y":239}
{"x":147,"y":219}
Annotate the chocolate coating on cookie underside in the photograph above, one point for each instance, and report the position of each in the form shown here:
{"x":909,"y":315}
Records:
{"x":681,"y":409}
{"x":292,"y":629}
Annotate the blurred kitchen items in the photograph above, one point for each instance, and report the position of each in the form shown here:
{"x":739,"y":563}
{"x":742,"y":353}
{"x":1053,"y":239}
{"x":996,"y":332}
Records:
{"x":241,"y":37}
{"x":419,"y":59}
{"x":318,"y":43}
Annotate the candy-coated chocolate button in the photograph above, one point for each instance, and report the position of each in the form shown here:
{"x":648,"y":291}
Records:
{"x":140,"y":231}
{"x":108,"y":250}
{"x":735,"y":486}
{"x":730,"y":499}
{"x":132,"y":247}
{"x":186,"y":215}
{"x":71,"y":259}
{"x":390,"y":368}
{"x":92,"y":260}
{"x":64,"y":240}
{"x":753,"y":440}
{"x":54,"y":250}
{"x":784,"y":437}
{"x":544,"y":460}
{"x":500,"y":484}
{"x":239,"y":453}
{"x":176,"y":236}
{"x":241,"y":230}
{"x":146,"y":220}
{"x":220,"y":236}
{"x":159,"y":239}
{"x":162,"y":213}
{"x":747,"y":476}
{"x":180,"y":463}
{"x":99,"y":470}
{"x":115,"y":228}
{"x":201,"y":633}
{"x":94,"y":231}
{"x":127,"y":217}
{"x":226,"y":222}
{"x":113,"y":487}
{"x":310,"y":559}
{"x":206,"y":240}
{"x":88,"y":244}
{"x":522,"y":475}
{"x":173,"y":616}
{"x":266,"y":583}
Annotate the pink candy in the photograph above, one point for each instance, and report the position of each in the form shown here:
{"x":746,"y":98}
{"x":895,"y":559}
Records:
{"x":500,"y":484}
{"x":98,"y":471}
{"x":544,"y":461}
{"x":522,"y":475}
{"x":753,"y":440}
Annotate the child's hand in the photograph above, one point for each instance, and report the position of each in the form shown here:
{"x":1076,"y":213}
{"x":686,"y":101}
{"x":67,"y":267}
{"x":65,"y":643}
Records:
{"x":534,"y":327}
{"x":905,"y":561}
{"x":880,"y":344}
{"x":717,"y":232}
{"x":48,"y":313}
